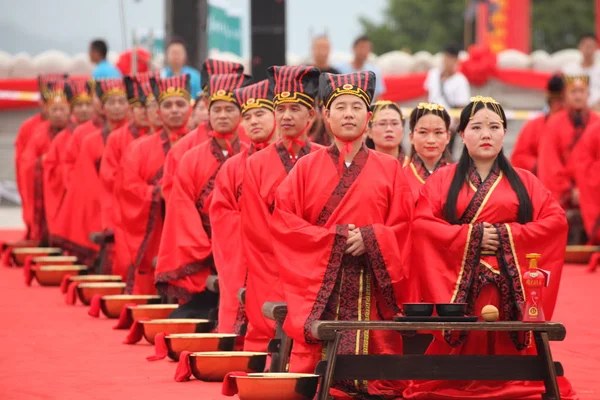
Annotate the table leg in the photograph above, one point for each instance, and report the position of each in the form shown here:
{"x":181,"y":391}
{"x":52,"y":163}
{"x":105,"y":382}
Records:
{"x":543,"y":349}
{"x":331,"y":355}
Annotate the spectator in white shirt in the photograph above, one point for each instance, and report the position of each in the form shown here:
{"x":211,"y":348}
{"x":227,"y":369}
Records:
{"x":447,"y":86}
{"x":588,"y":44}
{"x":362,"y":48}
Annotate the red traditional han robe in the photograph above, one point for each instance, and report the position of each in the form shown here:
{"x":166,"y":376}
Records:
{"x":74,"y":146}
{"x":141,"y":207}
{"x":587,"y":166}
{"x":525,"y":152}
{"x":118,"y":260}
{"x":32,"y":181}
{"x":313,"y":208}
{"x":25,"y":133}
{"x":79,"y":214}
{"x":417,"y":174}
{"x":225,"y":220}
{"x":555,"y":161}
{"x":449,"y":263}
{"x":265,"y":171}
{"x":185,"y":257}
{"x":54,"y":180}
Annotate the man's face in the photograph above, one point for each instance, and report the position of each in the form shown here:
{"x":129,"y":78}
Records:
{"x":58,"y":113}
{"x":175,"y":111}
{"x":258,"y":124}
{"x":321,"y":50}
{"x":152,"y":113}
{"x":94,"y":56}
{"x":449,"y":62}
{"x":347,"y":117}
{"x":224,"y":116}
{"x":292,"y":118}
{"x":362,"y":50}
{"x":116,"y":107}
{"x":139,"y":116}
{"x":576,"y":96}
{"x":83,"y":111}
{"x":588,"y":46}
{"x":176,"y":56}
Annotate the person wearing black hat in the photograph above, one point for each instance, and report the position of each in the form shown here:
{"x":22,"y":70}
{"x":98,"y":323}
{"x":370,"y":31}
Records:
{"x":341,"y":229}
{"x":525,"y":152}
{"x":294,"y":93}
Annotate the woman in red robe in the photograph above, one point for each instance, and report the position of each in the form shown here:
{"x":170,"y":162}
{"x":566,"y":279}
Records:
{"x":185,"y":257}
{"x":203,"y":132}
{"x":79,"y":214}
{"x":140,"y":191}
{"x":31,"y":160}
{"x":525,"y":152}
{"x":80,"y":99}
{"x":474,"y":223}
{"x":387,"y":130}
{"x":295,"y":90}
{"x":587,"y":154}
{"x":336,"y":261}
{"x":429,"y":137}
{"x":256,"y":102}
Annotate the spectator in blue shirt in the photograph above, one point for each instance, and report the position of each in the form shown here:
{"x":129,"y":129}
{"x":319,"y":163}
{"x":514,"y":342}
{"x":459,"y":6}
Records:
{"x":176,"y":58}
{"x":103,"y":69}
{"x":362,"y":48}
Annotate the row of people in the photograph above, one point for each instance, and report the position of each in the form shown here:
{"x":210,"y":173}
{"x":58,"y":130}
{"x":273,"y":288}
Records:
{"x":328,"y":230}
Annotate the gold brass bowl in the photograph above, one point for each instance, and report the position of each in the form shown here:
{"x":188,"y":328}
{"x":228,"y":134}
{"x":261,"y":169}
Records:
{"x":21,"y":254}
{"x":55,"y":260}
{"x":52,"y":275}
{"x":213,"y":366}
{"x":580,"y":254}
{"x":86,"y":291}
{"x":174,"y":325}
{"x":17,"y":244}
{"x":95,"y":278}
{"x":198,"y":342}
{"x":277,"y":386}
{"x":152,"y":311}
{"x":112,"y":305}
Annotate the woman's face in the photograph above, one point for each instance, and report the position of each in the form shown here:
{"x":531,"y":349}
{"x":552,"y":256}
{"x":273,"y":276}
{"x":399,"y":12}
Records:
{"x":484,"y":135}
{"x":430,"y":137}
{"x":387,"y":131}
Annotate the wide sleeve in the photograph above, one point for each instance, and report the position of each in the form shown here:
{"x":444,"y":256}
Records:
{"x":546,"y":235}
{"x":225,"y":219}
{"x":185,"y":253}
{"x":552,"y":170}
{"x":587,"y":154}
{"x":31,"y":170}
{"x":524,"y":153}
{"x":53,"y":166}
{"x":109,"y":168}
{"x":71,"y":153}
{"x":388,"y":245}
{"x":309,"y":256}
{"x":439,"y":249}
{"x":169,"y":171}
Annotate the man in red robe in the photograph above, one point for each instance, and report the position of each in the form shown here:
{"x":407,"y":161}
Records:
{"x":294,"y":89}
{"x":525,"y":152}
{"x":31,"y":160}
{"x":185,"y":257}
{"x":556,"y":163}
{"x":337,"y":261}
{"x":203,"y":132}
{"x":111,"y":166}
{"x":587,"y":154}
{"x":140,"y":200}
{"x":258,"y":121}
{"x":80,"y":212}
{"x":78,"y":93}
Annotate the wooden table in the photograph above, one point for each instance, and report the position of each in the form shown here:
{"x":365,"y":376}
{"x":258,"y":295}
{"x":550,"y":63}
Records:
{"x":440,"y":367}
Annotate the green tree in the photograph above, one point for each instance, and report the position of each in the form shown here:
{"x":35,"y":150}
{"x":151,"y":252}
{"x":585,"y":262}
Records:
{"x":414,"y":25}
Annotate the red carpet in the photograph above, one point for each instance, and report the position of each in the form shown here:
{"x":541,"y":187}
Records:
{"x":54,"y":351}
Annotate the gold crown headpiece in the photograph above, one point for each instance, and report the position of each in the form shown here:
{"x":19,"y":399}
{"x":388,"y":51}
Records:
{"x":381,"y":104}
{"x":430,"y":107}
{"x":496,"y":107}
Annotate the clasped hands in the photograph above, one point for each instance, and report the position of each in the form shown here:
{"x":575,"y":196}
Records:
{"x":355,"y":245}
{"x":490,"y":240}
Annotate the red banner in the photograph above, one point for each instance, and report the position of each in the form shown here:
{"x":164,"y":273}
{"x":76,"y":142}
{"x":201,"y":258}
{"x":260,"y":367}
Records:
{"x":504,"y":24}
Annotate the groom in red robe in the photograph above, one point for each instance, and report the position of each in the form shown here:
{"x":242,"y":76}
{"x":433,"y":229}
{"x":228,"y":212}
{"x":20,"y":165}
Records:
{"x":258,"y":121}
{"x":140,"y":199}
{"x":185,"y":258}
{"x":337,"y":261}
{"x":295,"y":90}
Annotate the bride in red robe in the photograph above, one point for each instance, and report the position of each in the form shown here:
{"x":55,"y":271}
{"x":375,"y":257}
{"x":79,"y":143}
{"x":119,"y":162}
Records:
{"x":256,"y":102}
{"x":429,"y":137}
{"x":474,"y":223}
{"x":386,"y":130}
{"x":337,"y":261}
